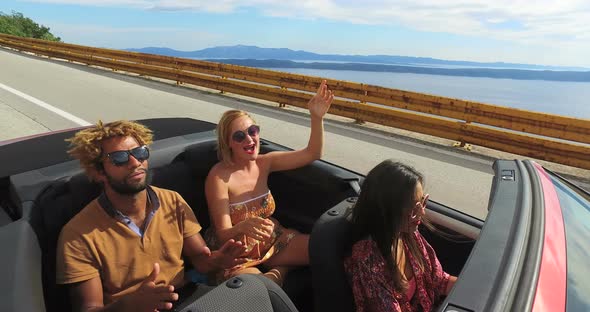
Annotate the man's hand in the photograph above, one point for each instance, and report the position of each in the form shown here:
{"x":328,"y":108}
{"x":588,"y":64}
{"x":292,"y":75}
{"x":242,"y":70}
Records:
{"x":204,"y":260}
{"x":226,"y":256}
{"x":256,"y":227}
{"x":149,"y":296}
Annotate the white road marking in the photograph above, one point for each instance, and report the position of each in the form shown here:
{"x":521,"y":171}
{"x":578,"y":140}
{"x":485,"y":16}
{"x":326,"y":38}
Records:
{"x":48,"y":107}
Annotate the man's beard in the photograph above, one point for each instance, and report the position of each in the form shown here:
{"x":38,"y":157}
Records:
{"x":124,"y":188}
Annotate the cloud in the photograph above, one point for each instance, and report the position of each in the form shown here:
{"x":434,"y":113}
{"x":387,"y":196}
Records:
{"x":101,"y":3}
{"x":542,"y":22}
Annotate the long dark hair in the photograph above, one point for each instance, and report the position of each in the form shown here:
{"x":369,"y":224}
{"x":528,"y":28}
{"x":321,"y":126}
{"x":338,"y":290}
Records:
{"x":385,"y":201}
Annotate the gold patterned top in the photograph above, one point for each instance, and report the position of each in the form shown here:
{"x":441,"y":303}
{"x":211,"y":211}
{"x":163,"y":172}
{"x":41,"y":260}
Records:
{"x":262,"y":206}
{"x":257,"y":251}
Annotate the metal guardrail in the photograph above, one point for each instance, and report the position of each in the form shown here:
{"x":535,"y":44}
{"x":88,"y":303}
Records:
{"x":559,"y":139}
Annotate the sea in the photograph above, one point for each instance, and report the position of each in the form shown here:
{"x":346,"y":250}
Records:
{"x":554,"y":97}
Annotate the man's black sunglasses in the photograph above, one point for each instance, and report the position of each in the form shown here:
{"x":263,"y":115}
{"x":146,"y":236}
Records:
{"x":239,"y":136}
{"x":120,"y":158}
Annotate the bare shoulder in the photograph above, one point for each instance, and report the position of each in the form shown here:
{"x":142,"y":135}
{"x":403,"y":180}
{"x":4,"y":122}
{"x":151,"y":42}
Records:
{"x":217,"y":169}
{"x":219,"y":172}
{"x":264,"y":160}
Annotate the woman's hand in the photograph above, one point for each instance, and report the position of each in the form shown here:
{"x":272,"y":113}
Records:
{"x":450,"y":284}
{"x":257,"y":228}
{"x":321,"y":101}
{"x":227,"y":256}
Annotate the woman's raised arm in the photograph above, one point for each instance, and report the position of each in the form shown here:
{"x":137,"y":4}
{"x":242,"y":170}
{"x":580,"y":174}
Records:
{"x":318,"y":106}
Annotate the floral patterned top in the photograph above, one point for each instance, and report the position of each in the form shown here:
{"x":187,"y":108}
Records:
{"x":372,"y":282}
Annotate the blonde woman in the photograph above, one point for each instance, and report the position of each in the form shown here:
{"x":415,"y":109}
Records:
{"x":240,"y":202}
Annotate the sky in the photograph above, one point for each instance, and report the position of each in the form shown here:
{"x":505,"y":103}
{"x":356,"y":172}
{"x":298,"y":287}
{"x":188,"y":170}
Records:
{"x":545,"y":32}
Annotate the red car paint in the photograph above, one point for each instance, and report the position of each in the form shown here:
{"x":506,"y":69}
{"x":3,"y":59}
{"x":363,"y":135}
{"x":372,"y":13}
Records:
{"x":551,"y":288}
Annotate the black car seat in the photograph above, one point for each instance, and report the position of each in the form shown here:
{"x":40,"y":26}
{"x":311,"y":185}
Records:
{"x":244,"y":293}
{"x":60,"y":201}
{"x":329,"y":242}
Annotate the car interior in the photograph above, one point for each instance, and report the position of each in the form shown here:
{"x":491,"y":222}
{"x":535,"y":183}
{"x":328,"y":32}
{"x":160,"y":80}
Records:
{"x":314,"y":199}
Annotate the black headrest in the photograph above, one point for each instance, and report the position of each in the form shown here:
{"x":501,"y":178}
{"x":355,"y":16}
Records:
{"x":329,"y":242}
{"x":201,"y":157}
{"x":59,"y":202}
{"x":179,"y":177}
{"x":186,"y":175}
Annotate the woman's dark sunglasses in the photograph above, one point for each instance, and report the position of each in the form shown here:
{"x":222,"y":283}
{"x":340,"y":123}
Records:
{"x":120,"y":158}
{"x":239,"y":136}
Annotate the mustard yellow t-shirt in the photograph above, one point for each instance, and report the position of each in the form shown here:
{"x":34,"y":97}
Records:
{"x":94,"y":243}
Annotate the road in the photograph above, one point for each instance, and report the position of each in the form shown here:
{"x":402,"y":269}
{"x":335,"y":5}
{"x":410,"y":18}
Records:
{"x":39,"y":95}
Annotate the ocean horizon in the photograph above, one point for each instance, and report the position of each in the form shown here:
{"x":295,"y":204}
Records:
{"x":554,"y":97}
{"x":565,"y":98}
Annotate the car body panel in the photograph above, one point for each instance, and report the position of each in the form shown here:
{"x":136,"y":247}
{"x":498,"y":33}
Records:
{"x":575,"y":204}
{"x":486,"y":282}
{"x":551,"y":288}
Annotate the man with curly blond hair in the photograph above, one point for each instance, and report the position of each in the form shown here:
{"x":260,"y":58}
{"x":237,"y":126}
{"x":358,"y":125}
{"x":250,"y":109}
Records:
{"x":124,"y":251}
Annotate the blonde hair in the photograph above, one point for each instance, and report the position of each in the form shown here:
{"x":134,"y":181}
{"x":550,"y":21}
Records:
{"x":224,"y":133}
{"x":86,"y":145}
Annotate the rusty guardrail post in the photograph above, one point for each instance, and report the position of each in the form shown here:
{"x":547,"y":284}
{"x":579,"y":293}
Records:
{"x":221,"y":89}
{"x":462,"y":144}
{"x":90,"y":57}
{"x":282,"y":105}
{"x":178,"y":72}
{"x":357,"y":120}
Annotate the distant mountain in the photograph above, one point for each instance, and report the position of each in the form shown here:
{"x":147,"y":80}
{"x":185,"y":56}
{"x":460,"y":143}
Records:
{"x":257,"y":53}
{"x":520,"y":74}
{"x":162,"y":51}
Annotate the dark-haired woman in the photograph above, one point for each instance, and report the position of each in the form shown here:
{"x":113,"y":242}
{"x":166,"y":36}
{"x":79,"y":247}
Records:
{"x":391,"y":267}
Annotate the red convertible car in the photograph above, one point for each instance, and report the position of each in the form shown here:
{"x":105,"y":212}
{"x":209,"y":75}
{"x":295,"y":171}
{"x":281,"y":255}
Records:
{"x":530,"y":254}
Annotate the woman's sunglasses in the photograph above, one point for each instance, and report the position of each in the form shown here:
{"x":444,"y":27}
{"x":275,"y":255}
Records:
{"x":120,"y":158}
{"x":239,"y":136}
{"x":419,"y":206}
